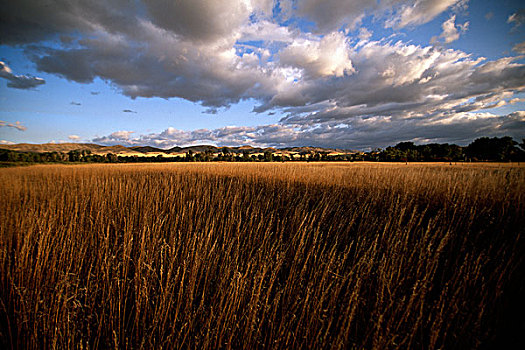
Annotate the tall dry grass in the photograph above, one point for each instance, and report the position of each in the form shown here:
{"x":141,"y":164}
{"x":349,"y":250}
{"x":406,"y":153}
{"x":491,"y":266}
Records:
{"x":261,"y":256}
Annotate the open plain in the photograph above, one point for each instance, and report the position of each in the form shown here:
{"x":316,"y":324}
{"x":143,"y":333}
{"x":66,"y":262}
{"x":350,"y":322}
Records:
{"x":252,"y":255}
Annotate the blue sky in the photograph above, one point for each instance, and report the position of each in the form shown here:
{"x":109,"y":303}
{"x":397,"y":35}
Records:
{"x":330,"y":73}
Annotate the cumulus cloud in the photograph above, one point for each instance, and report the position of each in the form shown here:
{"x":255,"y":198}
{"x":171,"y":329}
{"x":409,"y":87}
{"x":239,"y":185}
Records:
{"x":19,"y":81}
{"x":203,"y":60}
{"x":266,"y":31}
{"x":412,"y":80}
{"x":411,"y":13}
{"x":74,"y":137}
{"x":329,"y":15}
{"x":460,"y":128}
{"x":122,"y":137}
{"x":326,"y":57}
{"x":161,"y":64}
{"x":159,"y":57}
{"x":17,"y":125}
{"x":5,"y":142}
{"x":451,"y":31}
{"x":28,"y":21}
{"x":400,"y":80}
{"x":329,"y":85}
{"x":204,"y":20}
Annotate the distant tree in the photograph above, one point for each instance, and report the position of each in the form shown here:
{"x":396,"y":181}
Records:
{"x":208,"y":155}
{"x":111,"y":158}
{"x":391,"y":154}
{"x":189,"y":156}
{"x":74,"y":156}
{"x":405,"y":146}
{"x":493,"y":149}
{"x":54,"y":157}
{"x":268,"y":156}
{"x":226,"y":151}
{"x":227,"y":155}
{"x":5,"y":155}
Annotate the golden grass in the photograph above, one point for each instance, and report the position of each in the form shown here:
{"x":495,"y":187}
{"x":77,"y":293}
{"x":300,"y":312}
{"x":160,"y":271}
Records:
{"x":246,"y":255}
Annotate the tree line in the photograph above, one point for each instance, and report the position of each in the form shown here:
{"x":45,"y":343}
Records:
{"x":496,"y":149}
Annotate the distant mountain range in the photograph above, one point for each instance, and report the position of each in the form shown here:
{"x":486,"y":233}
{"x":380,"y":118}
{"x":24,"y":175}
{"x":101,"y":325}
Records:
{"x":174,"y":151}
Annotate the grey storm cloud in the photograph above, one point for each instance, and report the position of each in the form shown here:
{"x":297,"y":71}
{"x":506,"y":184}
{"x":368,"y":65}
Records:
{"x":354,"y":134}
{"x":329,"y":15}
{"x":19,"y":81}
{"x":29,"y":21}
{"x":331,"y":87}
{"x":128,"y":111}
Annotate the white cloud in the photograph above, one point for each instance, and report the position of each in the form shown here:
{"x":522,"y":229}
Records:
{"x":17,"y":125}
{"x":330,"y":15}
{"x":74,"y":137}
{"x":326,"y":57}
{"x":267,"y":31}
{"x":117,"y":137}
{"x":122,"y":135}
{"x":411,"y":13}
{"x":5,"y":142}
{"x":451,"y":32}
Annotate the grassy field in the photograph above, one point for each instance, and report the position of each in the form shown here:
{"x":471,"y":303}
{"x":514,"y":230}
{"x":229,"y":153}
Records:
{"x":262,"y":255}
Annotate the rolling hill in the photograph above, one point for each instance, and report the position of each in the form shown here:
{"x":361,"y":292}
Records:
{"x":153,"y":151}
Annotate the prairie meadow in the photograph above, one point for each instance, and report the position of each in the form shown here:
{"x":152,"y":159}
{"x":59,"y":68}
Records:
{"x":262,"y":255}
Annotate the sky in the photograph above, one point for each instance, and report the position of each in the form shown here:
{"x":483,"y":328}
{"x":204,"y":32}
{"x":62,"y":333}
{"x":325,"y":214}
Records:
{"x":327,"y":73}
